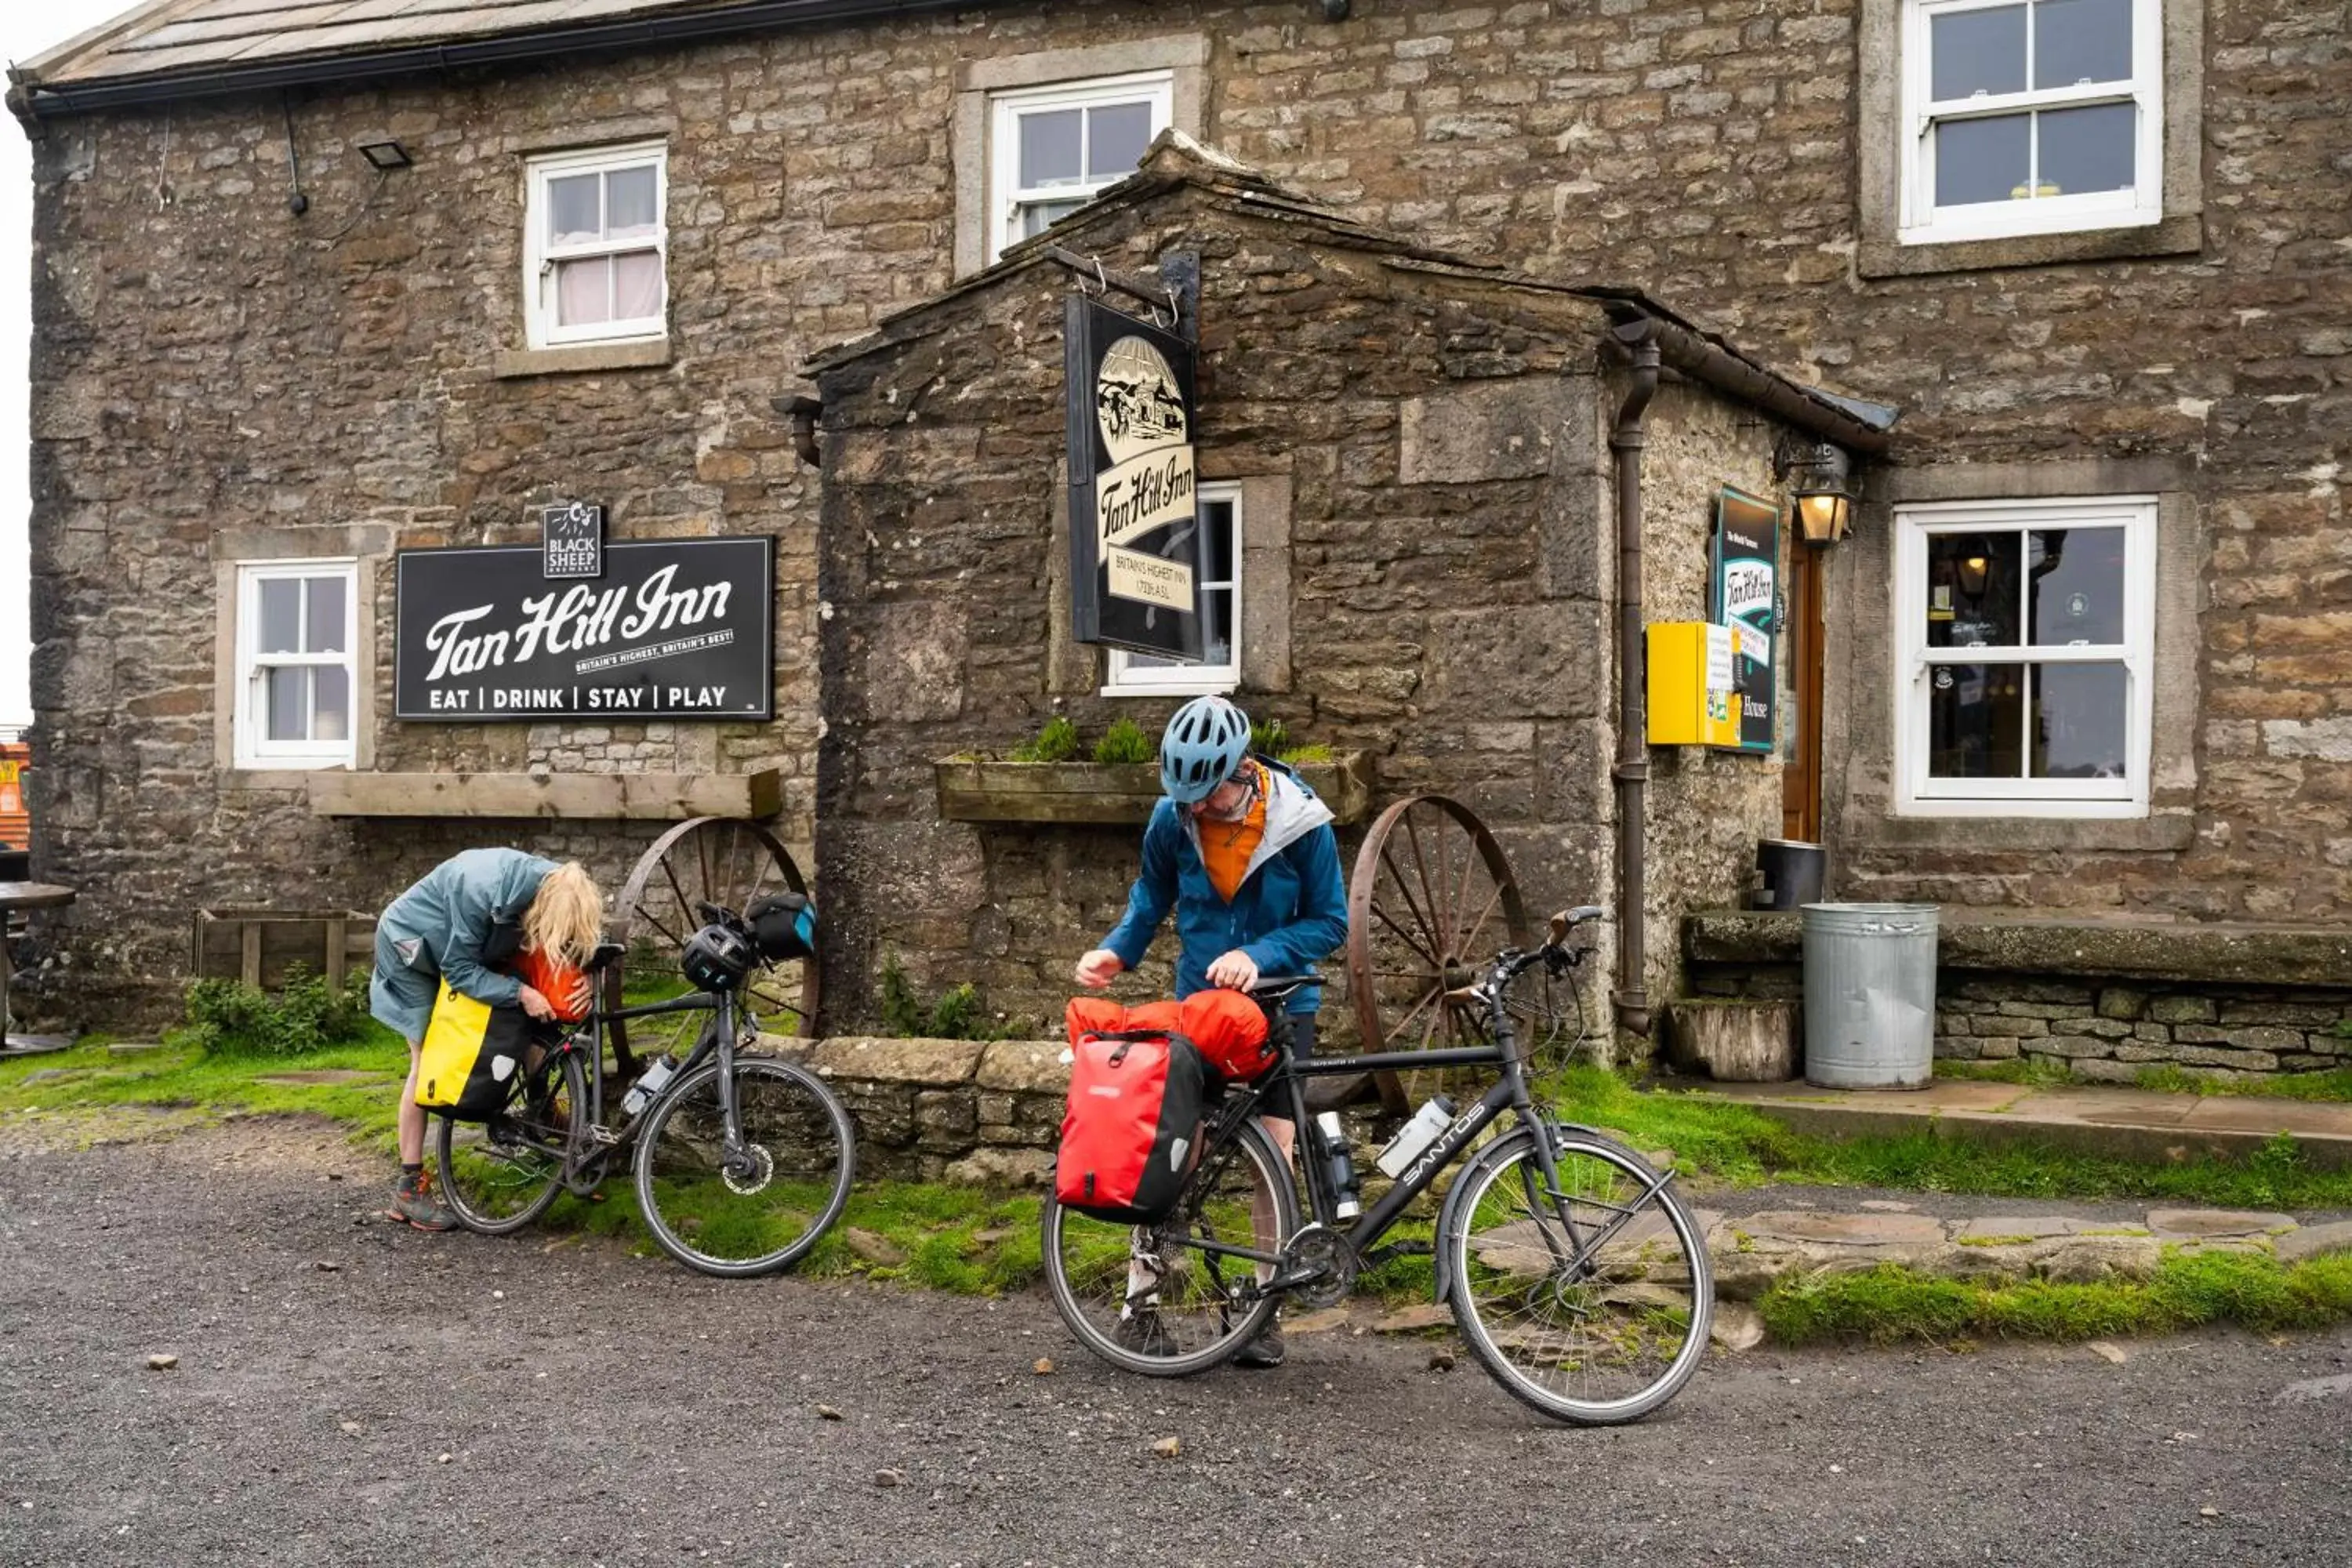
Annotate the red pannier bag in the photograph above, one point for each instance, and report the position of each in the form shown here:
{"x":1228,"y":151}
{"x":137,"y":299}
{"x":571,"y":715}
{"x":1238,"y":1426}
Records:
{"x":1226,"y":1026}
{"x":1133,"y":1116}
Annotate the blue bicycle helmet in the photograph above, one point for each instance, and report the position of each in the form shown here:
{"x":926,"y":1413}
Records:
{"x":1204,"y":745}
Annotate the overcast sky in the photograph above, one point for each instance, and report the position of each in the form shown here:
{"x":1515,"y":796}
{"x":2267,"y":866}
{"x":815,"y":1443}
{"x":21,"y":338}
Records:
{"x":27,"y":27}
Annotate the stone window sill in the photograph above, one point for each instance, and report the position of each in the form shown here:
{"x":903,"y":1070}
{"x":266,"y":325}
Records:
{"x":2166,"y":833}
{"x":2179,"y":235}
{"x":513,"y":364}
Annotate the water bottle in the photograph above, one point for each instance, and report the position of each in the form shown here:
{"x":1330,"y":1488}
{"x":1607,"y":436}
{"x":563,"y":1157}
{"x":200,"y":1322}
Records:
{"x":645,"y":1087}
{"x":1342,"y":1164}
{"x":1415,"y":1136}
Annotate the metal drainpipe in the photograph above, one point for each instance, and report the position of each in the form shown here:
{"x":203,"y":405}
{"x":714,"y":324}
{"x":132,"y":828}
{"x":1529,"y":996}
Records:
{"x":1631,"y":997}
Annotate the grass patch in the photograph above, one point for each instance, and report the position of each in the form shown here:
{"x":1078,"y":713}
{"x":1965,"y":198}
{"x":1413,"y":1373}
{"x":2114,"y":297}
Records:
{"x":184,"y":1076}
{"x":1734,"y":1144}
{"x":1889,"y":1304}
{"x":2333,"y":1086}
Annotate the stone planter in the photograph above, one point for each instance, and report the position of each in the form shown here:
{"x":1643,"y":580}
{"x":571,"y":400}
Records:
{"x":1114,"y":792}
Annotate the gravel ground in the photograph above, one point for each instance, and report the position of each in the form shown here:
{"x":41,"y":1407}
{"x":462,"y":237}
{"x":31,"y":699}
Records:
{"x":597,"y":1407}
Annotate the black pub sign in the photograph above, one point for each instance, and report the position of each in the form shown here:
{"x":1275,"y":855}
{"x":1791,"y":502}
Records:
{"x":1744,"y":590}
{"x":1135,"y":544}
{"x":674,"y":628}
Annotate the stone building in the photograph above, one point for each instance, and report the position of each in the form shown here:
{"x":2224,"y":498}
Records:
{"x":315,"y":285}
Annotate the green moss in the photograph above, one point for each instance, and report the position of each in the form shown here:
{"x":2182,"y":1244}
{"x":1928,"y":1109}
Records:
{"x":1889,"y":1303}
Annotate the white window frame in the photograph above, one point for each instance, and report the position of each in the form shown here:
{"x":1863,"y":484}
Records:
{"x":1125,"y":678}
{"x":1918,"y":794}
{"x":1006,"y":198}
{"x":1923,"y":223}
{"x":539,"y":261}
{"x":253,"y":749}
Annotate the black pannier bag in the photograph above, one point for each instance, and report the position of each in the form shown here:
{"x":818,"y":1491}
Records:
{"x":783,"y":926}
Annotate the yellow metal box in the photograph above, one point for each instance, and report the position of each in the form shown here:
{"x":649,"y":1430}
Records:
{"x":1692,"y":702}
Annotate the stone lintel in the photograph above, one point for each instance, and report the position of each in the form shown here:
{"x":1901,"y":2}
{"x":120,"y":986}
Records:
{"x":938,"y":1064}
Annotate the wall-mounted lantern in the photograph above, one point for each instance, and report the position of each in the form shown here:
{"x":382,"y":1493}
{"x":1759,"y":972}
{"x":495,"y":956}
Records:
{"x":1819,"y":474}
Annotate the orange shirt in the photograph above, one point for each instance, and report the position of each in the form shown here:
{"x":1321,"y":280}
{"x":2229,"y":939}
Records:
{"x":1226,"y":846}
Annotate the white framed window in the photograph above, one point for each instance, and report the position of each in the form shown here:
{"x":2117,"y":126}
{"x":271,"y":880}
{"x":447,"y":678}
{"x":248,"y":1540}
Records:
{"x":2025,"y":650}
{"x":2030,"y":117}
{"x":1054,"y":147}
{"x":596,"y":248}
{"x":296,"y":670}
{"x":1141,"y":674}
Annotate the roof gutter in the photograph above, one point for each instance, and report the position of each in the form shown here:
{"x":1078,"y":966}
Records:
{"x":1686,"y":351}
{"x":33,"y":101}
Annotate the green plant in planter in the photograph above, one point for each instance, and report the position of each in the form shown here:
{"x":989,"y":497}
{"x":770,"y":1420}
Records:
{"x":1269,"y":737}
{"x":1297,"y":754}
{"x":1056,"y":742}
{"x":1125,"y":741}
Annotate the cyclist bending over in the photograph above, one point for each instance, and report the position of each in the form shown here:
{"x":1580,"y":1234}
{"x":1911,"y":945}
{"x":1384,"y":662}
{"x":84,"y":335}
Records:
{"x":1243,"y":852}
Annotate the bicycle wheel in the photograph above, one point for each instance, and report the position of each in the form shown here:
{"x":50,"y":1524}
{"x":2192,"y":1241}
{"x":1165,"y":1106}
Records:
{"x":768,"y":1211}
{"x":501,"y":1174}
{"x":1093,"y":1266}
{"x":1595,"y":1339}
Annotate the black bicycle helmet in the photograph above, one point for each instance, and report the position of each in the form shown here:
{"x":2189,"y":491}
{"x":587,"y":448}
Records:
{"x":717,"y":958}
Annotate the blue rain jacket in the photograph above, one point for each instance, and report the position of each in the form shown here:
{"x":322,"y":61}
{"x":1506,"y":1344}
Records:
{"x":1290,"y":913}
{"x":461,"y":908}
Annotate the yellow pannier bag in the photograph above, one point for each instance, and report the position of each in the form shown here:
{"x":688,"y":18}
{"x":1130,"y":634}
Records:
{"x":472,"y":1051}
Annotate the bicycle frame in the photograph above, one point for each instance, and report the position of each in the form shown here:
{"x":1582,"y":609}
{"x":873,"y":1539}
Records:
{"x":717,"y":1037}
{"x":1509,"y":1092}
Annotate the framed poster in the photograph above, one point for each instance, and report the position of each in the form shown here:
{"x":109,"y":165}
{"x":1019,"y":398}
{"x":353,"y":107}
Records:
{"x":675,"y":628}
{"x":1744,"y":590}
{"x":1134,"y":543}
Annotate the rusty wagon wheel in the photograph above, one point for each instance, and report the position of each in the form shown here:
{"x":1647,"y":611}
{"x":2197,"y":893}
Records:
{"x":721,"y":860}
{"x":1431,"y":901}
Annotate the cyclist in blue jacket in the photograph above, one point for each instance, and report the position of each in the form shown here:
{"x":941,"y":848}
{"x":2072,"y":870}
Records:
{"x":1243,"y":852}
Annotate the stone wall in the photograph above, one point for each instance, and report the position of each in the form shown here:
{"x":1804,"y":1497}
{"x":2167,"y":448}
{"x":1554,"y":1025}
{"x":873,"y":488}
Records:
{"x":204,"y":362}
{"x":2105,"y":1002}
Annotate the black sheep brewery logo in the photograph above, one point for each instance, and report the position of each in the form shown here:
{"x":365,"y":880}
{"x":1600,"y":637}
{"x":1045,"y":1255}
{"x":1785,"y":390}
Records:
{"x":1144,"y":502}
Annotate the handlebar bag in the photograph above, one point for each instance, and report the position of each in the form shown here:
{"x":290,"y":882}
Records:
{"x":467,"y":1064}
{"x":1131,"y":1124}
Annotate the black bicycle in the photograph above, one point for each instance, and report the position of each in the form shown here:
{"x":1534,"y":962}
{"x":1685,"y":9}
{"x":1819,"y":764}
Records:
{"x":743,"y":1161}
{"x":1575,"y":1272}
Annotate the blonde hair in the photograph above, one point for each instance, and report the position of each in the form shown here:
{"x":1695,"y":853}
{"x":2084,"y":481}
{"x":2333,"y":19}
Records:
{"x":566,"y":918}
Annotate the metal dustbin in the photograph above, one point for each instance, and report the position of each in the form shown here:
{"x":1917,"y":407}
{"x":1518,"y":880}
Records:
{"x":1870,"y":996}
{"x":1792,"y":869}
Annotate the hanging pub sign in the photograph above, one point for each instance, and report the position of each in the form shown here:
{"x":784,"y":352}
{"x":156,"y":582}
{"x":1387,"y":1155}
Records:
{"x":675,"y":628}
{"x":571,"y":540}
{"x":1746,"y":590}
{"x":1134,"y":525}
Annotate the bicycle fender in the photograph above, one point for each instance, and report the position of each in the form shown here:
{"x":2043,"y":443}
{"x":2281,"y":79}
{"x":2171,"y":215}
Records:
{"x":1450,"y":1217}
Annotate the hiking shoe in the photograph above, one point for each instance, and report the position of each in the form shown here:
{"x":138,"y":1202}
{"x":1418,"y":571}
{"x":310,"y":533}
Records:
{"x":1264,"y":1352}
{"x":422,"y":1207}
{"x":1144,"y":1334}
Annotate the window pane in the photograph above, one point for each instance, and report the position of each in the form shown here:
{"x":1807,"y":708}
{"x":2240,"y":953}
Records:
{"x":1049,"y":147}
{"x":1974,"y":721}
{"x":325,"y":632}
{"x":1217,"y":541}
{"x":2074,"y":591}
{"x":637,"y":285}
{"x":2081,"y":40}
{"x":1970,"y":52}
{"x":287,"y":698}
{"x":1036,"y":218}
{"x":1217,"y":626}
{"x":583,"y":291}
{"x":2080,"y":720}
{"x":1116,"y":135}
{"x":281,"y":616}
{"x":572,"y":209}
{"x":332,"y":720}
{"x":629,"y":204}
{"x":2088,"y":149}
{"x":1972,"y":589}
{"x":1982,"y":160}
